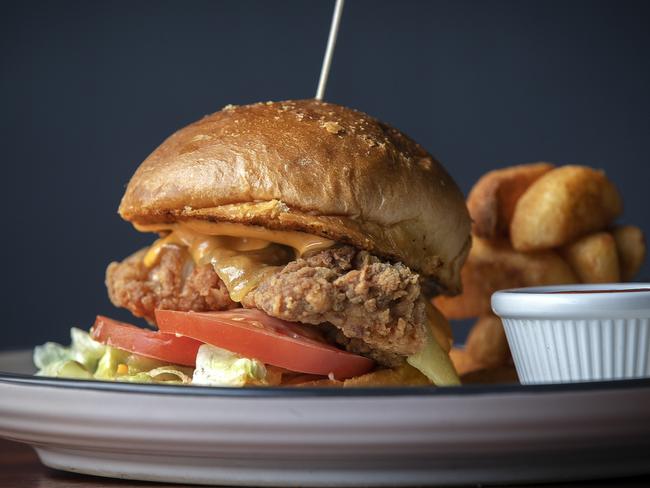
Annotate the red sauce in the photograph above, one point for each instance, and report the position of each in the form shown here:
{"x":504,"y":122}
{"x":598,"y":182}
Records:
{"x":626,"y":290}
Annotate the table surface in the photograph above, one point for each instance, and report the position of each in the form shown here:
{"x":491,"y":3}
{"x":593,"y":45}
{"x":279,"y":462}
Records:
{"x":20,"y":467}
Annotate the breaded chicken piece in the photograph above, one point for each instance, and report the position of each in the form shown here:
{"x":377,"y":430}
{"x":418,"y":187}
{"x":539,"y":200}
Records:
{"x":174,"y":283}
{"x":367,"y":299}
{"x":370,"y":307}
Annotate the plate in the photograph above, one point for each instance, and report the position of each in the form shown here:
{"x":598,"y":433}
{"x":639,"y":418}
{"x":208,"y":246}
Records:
{"x":328,"y":437}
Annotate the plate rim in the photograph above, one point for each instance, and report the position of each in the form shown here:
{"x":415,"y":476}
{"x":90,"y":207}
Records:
{"x":30,"y":380}
{"x":280,"y":392}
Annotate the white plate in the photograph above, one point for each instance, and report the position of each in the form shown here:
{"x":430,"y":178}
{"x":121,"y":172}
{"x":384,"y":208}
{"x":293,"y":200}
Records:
{"x":333,"y":437}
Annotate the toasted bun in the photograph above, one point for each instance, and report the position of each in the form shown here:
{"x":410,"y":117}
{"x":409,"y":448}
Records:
{"x":313,"y":167}
{"x":404,"y":375}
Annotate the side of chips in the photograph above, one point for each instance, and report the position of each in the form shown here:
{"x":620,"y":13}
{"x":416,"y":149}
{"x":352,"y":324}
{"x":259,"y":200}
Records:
{"x":533,"y":225}
{"x":492,"y":200}
{"x":561,"y":206}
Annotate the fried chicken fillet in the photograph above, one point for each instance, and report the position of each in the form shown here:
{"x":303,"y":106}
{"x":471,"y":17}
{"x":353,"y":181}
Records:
{"x":376,"y":305}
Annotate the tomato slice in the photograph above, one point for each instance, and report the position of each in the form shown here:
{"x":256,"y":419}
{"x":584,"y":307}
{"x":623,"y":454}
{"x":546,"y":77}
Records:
{"x":253,"y":334}
{"x":149,"y":343}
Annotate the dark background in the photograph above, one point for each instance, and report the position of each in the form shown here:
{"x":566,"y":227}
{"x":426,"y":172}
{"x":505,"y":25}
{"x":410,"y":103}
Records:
{"x":88,"y":89}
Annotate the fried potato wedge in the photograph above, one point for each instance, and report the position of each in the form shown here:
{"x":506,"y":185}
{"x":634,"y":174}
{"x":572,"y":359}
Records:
{"x":487,"y":343}
{"x":630,"y":243}
{"x":563,"y":205}
{"x":491,"y":202}
{"x":594,"y":258}
{"x":463,"y":362}
{"x":494,"y":265}
{"x":491,"y":376}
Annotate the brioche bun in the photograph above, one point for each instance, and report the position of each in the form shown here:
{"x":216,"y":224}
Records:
{"x":314,"y":167}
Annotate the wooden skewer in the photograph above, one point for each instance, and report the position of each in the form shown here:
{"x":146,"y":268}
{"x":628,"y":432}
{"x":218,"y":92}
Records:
{"x":329,"y":51}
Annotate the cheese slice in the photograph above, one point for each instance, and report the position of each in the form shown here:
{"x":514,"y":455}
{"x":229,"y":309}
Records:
{"x":241,"y":255}
{"x":302,"y":242}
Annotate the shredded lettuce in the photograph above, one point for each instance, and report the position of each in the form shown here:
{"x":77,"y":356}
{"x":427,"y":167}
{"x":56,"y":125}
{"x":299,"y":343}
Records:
{"x":86,"y":358}
{"x":86,"y":350}
{"x":139,"y":369}
{"x":219,"y":367}
{"x":109,"y":363}
{"x":66,"y":369}
{"x":83,"y":350}
{"x":50,"y":353}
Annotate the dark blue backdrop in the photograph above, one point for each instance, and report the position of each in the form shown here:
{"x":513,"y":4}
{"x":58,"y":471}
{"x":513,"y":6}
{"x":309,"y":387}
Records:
{"x":88,"y":89}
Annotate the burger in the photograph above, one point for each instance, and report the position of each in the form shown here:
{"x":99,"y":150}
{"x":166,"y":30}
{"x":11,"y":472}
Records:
{"x":298,"y":243}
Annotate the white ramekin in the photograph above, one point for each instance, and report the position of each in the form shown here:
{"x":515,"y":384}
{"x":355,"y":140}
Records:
{"x":591,"y":335}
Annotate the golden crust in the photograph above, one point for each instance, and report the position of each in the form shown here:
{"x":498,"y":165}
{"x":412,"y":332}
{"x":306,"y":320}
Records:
{"x":563,"y":205}
{"x":491,"y":202}
{"x":631,"y":247}
{"x":463,"y":362}
{"x":506,"y":374}
{"x":314,"y":167}
{"x":594,"y":258}
{"x":404,"y":375}
{"x":472,"y":372}
{"x":487,"y":343}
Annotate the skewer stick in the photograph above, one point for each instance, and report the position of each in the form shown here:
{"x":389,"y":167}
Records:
{"x":329,"y":51}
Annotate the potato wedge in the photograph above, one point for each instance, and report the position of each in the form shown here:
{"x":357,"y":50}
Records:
{"x":500,"y":375}
{"x":631,"y":247}
{"x":594,"y":258}
{"x":563,"y":205}
{"x":487,"y":343}
{"x":463,"y":362}
{"x":491,"y":202}
{"x":494,"y":265}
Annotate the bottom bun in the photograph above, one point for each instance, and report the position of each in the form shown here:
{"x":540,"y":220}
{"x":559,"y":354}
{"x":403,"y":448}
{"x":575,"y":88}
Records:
{"x":499,"y":375}
{"x":404,"y":375}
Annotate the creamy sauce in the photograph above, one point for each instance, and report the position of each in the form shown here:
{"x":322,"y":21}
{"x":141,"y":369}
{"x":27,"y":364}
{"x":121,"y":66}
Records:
{"x":302,"y":242}
{"x":241,"y":255}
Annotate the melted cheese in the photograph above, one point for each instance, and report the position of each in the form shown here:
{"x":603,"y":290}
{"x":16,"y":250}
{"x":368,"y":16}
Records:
{"x":302,"y":242}
{"x":241,"y":255}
